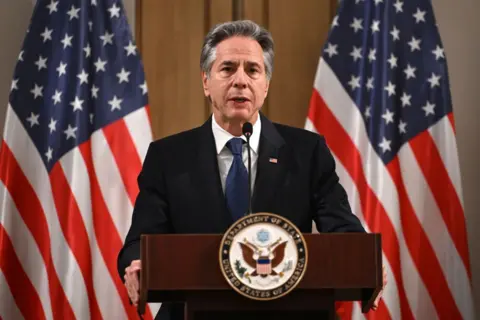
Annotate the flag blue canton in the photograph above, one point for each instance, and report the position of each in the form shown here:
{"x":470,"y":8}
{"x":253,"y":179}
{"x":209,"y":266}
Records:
{"x":389,"y":58}
{"x":78,"y":71}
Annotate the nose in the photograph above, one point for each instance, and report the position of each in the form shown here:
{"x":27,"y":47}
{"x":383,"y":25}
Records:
{"x":240,"y":80}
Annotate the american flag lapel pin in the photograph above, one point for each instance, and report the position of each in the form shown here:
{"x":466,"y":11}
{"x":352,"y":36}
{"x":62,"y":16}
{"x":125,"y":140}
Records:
{"x":273,"y":160}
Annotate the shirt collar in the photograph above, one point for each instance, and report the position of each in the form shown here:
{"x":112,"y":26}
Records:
{"x":222,"y":136}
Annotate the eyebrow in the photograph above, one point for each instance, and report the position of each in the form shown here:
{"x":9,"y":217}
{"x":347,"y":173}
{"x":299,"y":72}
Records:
{"x":228,"y":63}
{"x":233,"y":63}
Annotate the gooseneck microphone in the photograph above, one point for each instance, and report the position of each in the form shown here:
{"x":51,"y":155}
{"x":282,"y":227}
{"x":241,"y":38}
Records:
{"x":247,"y":130}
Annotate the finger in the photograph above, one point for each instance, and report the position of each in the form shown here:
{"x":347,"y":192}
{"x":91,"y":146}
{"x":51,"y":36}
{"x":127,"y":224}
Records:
{"x":131,"y":281}
{"x":133,"y":278}
{"x":136,"y":263}
{"x":127,"y":278}
{"x":132,"y":284}
{"x":135,"y":296}
{"x":377,"y":299}
{"x":130,"y":293}
{"x":129,"y":284}
{"x":135,"y":282}
{"x":375,"y":305}
{"x":134,"y":269}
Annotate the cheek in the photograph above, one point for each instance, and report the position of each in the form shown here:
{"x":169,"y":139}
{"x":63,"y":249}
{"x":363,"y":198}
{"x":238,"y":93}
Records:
{"x":260,"y":93}
{"x":221,"y":89}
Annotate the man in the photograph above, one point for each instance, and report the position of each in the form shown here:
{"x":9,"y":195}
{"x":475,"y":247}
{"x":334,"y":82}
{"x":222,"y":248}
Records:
{"x":196,"y":181}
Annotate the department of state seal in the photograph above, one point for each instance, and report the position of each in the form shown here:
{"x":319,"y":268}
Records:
{"x":263,"y":256}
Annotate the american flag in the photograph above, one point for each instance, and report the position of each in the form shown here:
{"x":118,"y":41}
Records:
{"x":76,"y":133}
{"x":381,"y":99}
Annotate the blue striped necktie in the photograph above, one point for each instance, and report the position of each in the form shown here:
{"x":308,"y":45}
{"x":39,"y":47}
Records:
{"x":236,"y":186}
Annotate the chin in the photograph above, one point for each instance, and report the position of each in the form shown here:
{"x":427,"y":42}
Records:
{"x":241,"y":115}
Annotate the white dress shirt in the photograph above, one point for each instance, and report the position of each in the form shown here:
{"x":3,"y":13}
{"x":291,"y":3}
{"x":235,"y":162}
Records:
{"x":225,"y":156}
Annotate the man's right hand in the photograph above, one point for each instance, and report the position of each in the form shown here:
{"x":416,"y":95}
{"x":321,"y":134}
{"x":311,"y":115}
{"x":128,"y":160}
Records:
{"x":131,"y":281}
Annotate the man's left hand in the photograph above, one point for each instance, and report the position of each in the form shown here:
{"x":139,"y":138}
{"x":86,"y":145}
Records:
{"x":377,"y":300}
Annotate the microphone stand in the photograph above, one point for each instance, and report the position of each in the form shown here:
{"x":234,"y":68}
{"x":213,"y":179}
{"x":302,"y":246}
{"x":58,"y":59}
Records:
{"x":249,"y":176}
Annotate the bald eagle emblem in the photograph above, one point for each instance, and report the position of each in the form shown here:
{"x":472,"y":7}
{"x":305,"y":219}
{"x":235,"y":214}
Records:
{"x":263,"y":256}
{"x":263,"y":259}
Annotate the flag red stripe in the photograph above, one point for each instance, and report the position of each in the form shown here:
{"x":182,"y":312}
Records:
{"x":34,"y":217}
{"x":23,"y":291}
{"x":381,"y":313}
{"x":436,"y":175}
{"x":344,"y":309}
{"x":422,"y":251}
{"x":125,"y":154}
{"x":452,"y":121}
{"x":75,"y":232}
{"x":375,"y":216}
{"x":108,"y":238}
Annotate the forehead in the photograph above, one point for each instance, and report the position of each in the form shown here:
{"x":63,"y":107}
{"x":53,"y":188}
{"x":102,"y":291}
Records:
{"x":235,"y":48}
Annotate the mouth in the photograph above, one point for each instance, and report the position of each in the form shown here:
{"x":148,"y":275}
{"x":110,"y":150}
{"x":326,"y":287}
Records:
{"x":239,"y":99}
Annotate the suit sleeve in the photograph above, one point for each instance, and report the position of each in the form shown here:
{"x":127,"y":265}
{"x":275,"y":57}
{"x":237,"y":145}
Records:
{"x":330,"y":201}
{"x":150,"y":213}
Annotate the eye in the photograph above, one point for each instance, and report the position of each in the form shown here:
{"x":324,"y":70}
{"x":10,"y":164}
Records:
{"x":227,"y":69}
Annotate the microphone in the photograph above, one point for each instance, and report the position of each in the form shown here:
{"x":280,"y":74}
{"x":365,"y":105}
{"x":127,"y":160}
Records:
{"x":247,"y":130}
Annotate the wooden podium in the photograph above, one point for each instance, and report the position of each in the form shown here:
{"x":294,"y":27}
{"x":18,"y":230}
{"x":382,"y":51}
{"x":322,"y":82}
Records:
{"x":185,"y":268}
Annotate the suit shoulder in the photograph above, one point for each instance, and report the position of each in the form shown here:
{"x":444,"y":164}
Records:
{"x":178,"y":139}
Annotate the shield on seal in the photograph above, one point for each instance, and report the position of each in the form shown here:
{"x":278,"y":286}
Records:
{"x":264,"y":266}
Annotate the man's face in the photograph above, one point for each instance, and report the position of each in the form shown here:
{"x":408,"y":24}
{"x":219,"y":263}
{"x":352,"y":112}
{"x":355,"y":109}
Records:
{"x":237,"y":84}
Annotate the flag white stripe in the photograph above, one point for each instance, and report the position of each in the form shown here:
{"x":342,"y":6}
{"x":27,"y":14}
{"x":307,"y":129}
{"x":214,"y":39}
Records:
{"x":444,"y":138}
{"x":390,"y":293}
{"x":106,"y":293}
{"x":426,"y":209}
{"x":32,"y":166}
{"x":111,"y":184}
{"x":309,"y":126}
{"x":26,"y":250}
{"x":154,"y":307}
{"x":357,"y":312}
{"x":139,"y":127}
{"x":8,"y":307}
{"x":376,"y":175}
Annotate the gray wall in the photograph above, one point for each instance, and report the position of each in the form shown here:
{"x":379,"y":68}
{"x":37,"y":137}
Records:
{"x":458,"y":25}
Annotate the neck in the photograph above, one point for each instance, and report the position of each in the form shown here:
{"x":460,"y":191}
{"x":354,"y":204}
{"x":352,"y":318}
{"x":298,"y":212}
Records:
{"x":233,"y":126}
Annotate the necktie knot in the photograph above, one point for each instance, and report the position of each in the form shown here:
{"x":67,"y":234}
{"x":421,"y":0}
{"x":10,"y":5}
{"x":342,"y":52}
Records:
{"x":235,"y":146}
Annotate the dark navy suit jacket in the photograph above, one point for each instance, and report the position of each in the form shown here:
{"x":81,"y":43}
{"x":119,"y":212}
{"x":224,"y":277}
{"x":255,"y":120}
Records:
{"x":181,"y":192}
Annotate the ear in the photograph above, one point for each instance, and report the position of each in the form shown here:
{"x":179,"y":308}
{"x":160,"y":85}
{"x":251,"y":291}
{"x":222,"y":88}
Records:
{"x":205,"y":81}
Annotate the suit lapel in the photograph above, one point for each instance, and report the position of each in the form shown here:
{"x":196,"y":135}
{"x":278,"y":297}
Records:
{"x":206,"y":178}
{"x":272,"y":167}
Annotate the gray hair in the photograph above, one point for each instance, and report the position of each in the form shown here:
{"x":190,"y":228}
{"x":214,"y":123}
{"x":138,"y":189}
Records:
{"x":243,"y":28}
